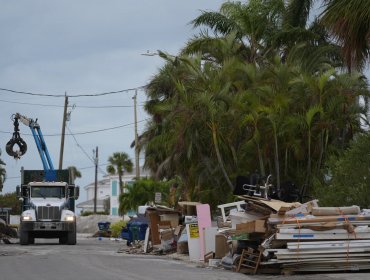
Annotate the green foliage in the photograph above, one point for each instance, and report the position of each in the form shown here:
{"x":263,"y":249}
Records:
{"x":10,"y":200}
{"x":119,"y":163}
{"x":258,"y":89}
{"x":75,"y":172}
{"x":89,"y":213}
{"x":143,"y":192}
{"x":116,"y":228}
{"x":350,"y":176}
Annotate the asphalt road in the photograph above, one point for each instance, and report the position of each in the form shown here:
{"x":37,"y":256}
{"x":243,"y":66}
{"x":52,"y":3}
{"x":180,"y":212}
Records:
{"x":93,"y":259}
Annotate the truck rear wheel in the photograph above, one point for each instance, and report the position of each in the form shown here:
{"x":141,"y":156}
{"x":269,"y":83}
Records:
{"x":23,"y":237}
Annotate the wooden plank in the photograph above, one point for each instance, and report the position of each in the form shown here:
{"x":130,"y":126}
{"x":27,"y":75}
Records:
{"x":329,"y":231}
{"x":323,"y":255}
{"x":333,"y":242}
{"x":303,"y":220}
{"x":328,"y":211}
{"x":323,"y":224}
{"x":342,"y":250}
{"x":322,"y":236}
{"x":324,"y":260}
{"x":154,"y":221}
{"x":324,"y":268}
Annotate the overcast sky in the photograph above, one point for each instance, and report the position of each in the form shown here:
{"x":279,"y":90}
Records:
{"x":83,"y":47}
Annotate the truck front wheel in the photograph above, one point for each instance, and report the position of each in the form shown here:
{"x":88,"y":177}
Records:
{"x":23,"y":237}
{"x":72,"y":238}
{"x":63,"y":239}
{"x":72,"y":235}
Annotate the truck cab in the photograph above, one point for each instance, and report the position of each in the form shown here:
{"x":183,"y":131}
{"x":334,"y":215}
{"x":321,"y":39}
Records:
{"x":48,"y":211}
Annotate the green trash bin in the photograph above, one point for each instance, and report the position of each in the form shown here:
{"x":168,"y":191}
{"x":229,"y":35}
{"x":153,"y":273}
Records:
{"x":135,"y":231}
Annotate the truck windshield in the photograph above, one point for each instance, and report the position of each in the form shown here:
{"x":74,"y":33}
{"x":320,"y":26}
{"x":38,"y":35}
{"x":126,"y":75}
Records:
{"x":38,"y":191}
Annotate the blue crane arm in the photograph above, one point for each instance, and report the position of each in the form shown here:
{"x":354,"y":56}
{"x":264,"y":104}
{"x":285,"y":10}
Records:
{"x":50,"y":173}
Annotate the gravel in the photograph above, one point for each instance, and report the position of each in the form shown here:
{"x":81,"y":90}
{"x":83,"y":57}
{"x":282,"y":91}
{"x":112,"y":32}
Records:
{"x":89,"y":224}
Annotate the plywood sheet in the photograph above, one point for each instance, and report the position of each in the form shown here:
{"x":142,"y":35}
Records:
{"x":204,"y":221}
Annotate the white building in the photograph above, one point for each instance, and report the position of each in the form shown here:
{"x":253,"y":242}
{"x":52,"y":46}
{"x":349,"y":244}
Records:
{"x":103,"y":194}
{"x":108,"y":188}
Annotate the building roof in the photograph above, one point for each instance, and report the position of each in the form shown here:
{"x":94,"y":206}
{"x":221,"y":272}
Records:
{"x":104,"y":182}
{"x":90,"y":203}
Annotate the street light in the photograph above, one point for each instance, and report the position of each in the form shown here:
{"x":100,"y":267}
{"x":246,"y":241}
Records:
{"x":149,"y":53}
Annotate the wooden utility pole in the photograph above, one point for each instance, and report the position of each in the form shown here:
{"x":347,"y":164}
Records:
{"x":63,"y":131}
{"x":137,"y":163}
{"x":96,"y":161}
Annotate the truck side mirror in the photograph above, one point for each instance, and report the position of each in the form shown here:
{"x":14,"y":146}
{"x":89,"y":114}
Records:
{"x":22,"y":192}
{"x":18,"y":191}
{"x":73,"y":192}
{"x":77,"y":192}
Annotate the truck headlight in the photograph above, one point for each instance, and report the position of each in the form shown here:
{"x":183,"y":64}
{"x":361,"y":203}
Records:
{"x":26,"y":218}
{"x":69,"y":218}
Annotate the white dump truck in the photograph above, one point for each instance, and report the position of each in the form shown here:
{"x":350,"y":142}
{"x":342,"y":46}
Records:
{"x":47,"y":196}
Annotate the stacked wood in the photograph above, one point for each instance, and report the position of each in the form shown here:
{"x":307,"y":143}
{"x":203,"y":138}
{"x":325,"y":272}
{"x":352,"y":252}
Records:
{"x":334,"y":239}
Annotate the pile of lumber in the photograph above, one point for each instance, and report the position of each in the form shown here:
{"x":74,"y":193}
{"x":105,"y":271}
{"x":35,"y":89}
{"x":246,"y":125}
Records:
{"x":321,"y":239}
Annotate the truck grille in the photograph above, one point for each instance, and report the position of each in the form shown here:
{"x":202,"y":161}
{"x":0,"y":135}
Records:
{"x":48,"y":213}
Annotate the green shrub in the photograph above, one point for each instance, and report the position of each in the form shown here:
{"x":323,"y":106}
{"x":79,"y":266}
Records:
{"x":88,"y":213}
{"x":116,"y":228}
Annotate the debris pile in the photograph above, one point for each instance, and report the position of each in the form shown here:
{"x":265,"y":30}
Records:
{"x":259,"y":235}
{"x":7,"y":232}
{"x":155,"y":231}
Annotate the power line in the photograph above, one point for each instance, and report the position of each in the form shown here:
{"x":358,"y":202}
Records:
{"x":85,"y":132}
{"x":82,"y":168}
{"x":69,"y":106}
{"x":93,"y":166}
{"x":72,"y":96}
{"x":83,"y":150}
{"x":78,"y":145}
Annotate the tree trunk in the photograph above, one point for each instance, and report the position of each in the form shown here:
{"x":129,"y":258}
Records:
{"x":120,"y":182}
{"x":308,"y":178}
{"x":219,"y":158}
{"x":277,"y":164}
{"x":260,"y":159}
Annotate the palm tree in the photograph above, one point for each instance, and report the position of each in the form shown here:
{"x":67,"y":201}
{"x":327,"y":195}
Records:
{"x":76,"y":173}
{"x":253,"y":24}
{"x":349,"y":22}
{"x":226,"y":106}
{"x":142,"y":192}
{"x":119,"y":162}
{"x":2,"y":173}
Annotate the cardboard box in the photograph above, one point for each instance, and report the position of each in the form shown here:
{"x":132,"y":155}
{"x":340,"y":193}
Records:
{"x":221,"y":246}
{"x":253,"y":226}
{"x":172,"y":218}
{"x":164,"y":225}
{"x":182,"y":248}
{"x":178,"y":231}
{"x":167,"y":234}
{"x":244,"y":217}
